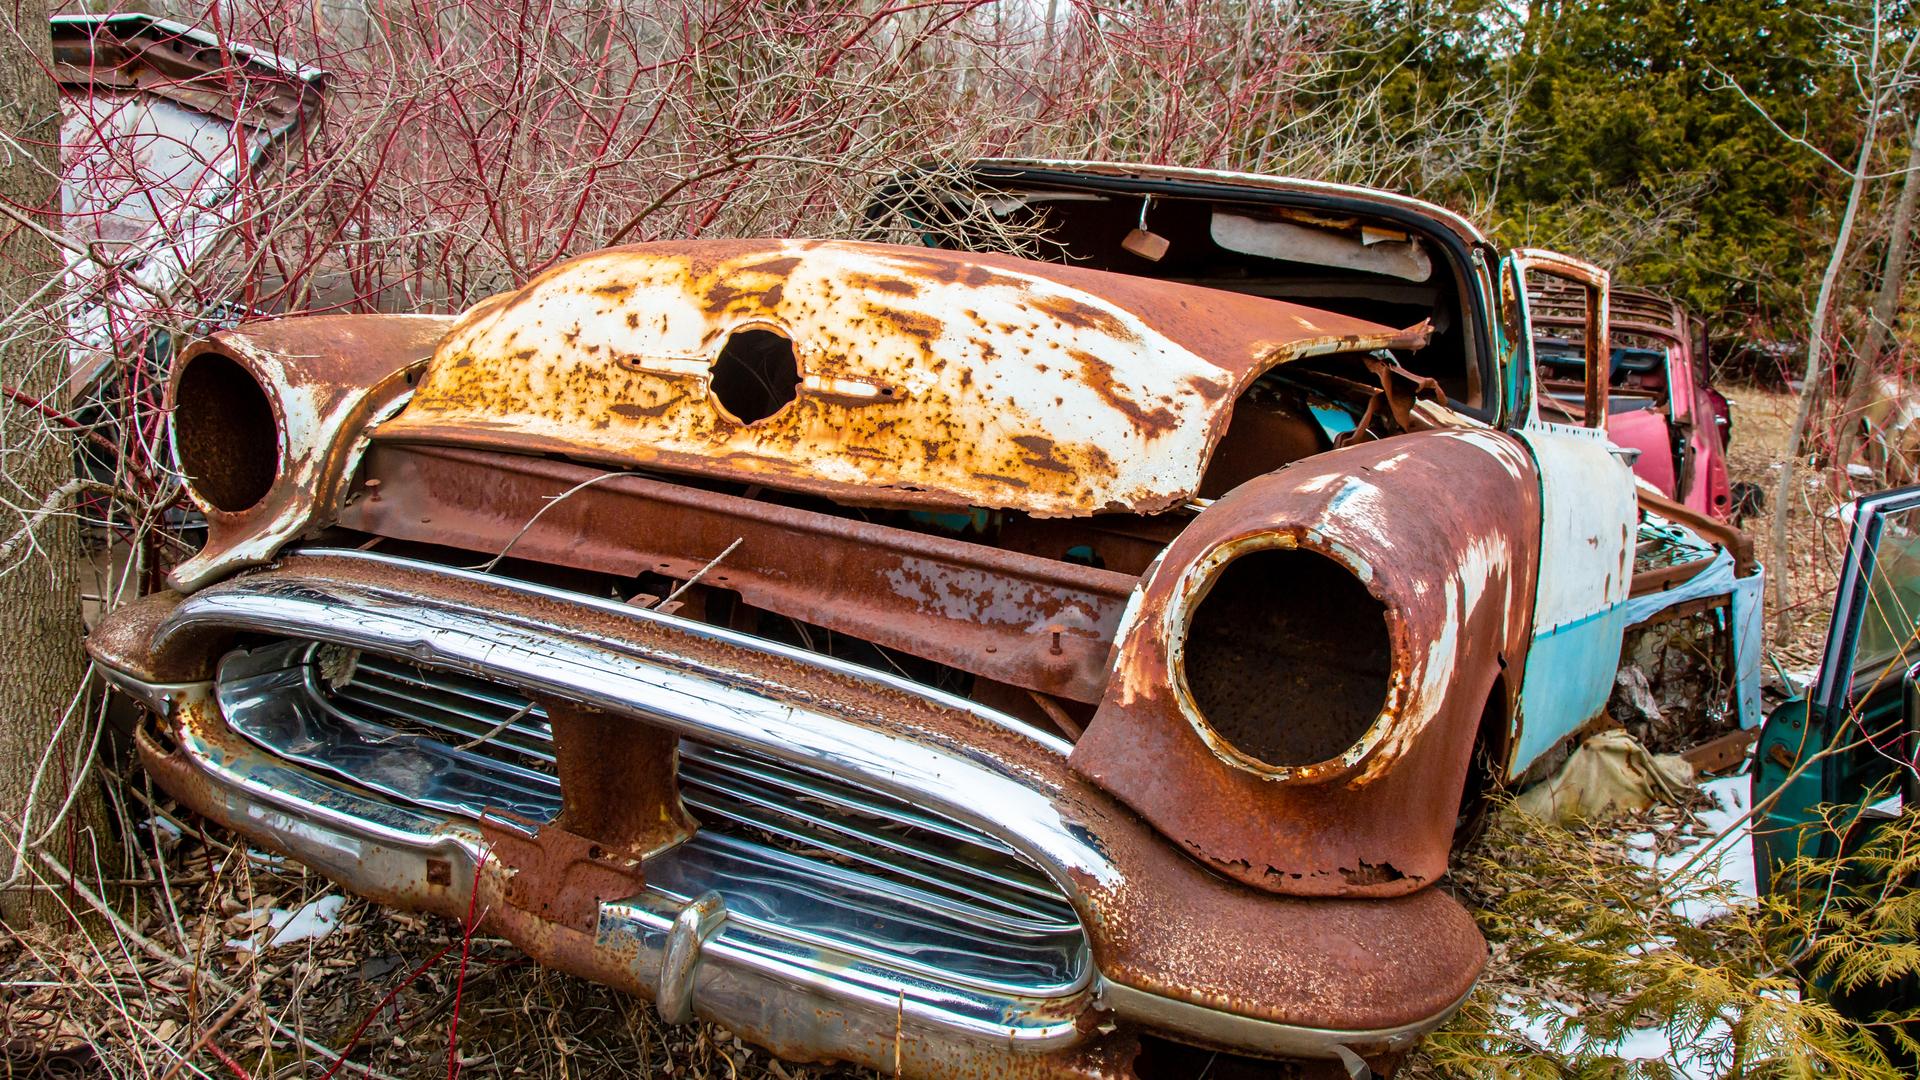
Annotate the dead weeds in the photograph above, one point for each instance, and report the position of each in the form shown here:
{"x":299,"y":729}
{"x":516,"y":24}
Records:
{"x":163,"y":986}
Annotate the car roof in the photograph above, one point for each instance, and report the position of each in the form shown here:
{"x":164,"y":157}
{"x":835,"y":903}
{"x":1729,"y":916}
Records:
{"x":1460,"y":226}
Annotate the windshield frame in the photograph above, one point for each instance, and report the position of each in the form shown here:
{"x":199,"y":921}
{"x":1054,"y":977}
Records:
{"x":1839,"y":673}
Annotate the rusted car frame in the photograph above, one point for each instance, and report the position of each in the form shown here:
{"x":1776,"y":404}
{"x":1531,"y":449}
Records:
{"x":1666,"y":410}
{"x":923,"y":657}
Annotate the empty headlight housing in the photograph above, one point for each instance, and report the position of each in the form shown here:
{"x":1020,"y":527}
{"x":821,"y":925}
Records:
{"x":1286,"y":659}
{"x":224,"y":434}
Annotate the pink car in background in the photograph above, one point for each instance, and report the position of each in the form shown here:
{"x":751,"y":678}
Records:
{"x":1658,"y":403}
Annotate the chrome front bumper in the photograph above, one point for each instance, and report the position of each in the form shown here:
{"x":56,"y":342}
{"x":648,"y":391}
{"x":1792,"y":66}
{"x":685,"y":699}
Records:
{"x":790,"y":993}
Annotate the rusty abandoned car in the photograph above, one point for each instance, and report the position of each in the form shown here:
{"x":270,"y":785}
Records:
{"x":952,"y":662}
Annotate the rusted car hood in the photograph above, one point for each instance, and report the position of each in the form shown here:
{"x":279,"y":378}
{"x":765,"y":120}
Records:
{"x":927,"y":377}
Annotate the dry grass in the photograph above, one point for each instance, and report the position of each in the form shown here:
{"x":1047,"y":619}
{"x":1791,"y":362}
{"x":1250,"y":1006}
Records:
{"x":378,"y":992}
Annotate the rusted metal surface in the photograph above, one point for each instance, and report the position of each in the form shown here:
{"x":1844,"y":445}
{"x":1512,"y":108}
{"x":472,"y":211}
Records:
{"x":326,"y":377}
{"x":175,"y":61}
{"x":1163,"y":924}
{"x":1440,"y":528}
{"x":1593,"y":287}
{"x":925,"y":377}
{"x":619,"y":783}
{"x":162,"y":124}
{"x":1631,"y":310}
{"x":1722,"y":753}
{"x":1735,"y":540}
{"x":125,"y":642}
{"x":1037,"y":623}
{"x":561,"y":877}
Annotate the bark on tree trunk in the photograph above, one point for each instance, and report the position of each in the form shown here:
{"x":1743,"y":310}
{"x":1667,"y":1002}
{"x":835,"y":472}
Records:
{"x":41,"y":666}
{"x":1886,"y":306}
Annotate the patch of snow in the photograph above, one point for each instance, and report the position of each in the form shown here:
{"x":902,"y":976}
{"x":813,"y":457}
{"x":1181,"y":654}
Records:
{"x":1655,"y":1044}
{"x":1799,"y":680}
{"x":1725,"y":857}
{"x":1640,"y":1044}
{"x":164,"y":831}
{"x":1729,"y":851}
{"x":313,"y":921}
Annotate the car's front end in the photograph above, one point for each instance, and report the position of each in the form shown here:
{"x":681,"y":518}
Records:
{"x":880,"y":872}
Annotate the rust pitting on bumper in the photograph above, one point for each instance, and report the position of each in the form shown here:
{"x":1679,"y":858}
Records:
{"x":1161,"y":925}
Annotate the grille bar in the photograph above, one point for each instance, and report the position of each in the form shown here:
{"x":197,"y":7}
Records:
{"x":798,"y":853}
{"x":465,"y":711}
{"x":983,"y":890}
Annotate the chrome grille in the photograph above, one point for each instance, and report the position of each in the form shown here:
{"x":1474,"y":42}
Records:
{"x":792,"y":851}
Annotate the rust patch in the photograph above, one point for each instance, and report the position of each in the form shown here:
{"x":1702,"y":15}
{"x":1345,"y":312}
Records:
{"x":561,"y":877}
{"x":1099,"y":375}
{"x":1447,"y":549}
{"x":1040,"y":451}
{"x":619,"y":782}
{"x":1130,"y":379}
{"x":642,"y":412}
{"x":1079,"y":313}
{"x":918,"y":325}
{"x":775,"y":267}
{"x":896,"y":286}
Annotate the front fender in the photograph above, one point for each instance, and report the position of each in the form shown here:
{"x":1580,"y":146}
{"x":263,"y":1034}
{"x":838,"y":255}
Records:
{"x":1442,"y":528}
{"x":327,"y":378}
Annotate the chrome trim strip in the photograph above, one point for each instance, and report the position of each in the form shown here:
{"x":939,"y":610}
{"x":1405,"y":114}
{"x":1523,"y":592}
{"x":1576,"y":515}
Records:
{"x":708,"y":632}
{"x":160,"y":697}
{"x":1261,"y":1036}
{"x":558,"y":660}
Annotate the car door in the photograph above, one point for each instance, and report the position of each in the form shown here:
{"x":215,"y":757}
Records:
{"x":1848,"y":742}
{"x":1588,"y":517}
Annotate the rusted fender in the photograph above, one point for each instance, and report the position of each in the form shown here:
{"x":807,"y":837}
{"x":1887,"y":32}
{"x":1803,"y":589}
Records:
{"x":926,"y":377}
{"x":328,"y":378}
{"x":1441,"y":527}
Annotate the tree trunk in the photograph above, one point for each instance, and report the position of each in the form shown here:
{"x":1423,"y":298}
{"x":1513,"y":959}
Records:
{"x":1886,"y":307}
{"x":1814,"y":376}
{"x":41,"y":666}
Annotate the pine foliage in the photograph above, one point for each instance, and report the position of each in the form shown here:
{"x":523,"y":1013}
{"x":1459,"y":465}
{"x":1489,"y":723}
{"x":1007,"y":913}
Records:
{"x":1590,"y":943}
